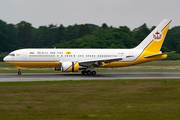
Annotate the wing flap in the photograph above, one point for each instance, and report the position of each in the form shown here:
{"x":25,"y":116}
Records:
{"x":101,"y":60}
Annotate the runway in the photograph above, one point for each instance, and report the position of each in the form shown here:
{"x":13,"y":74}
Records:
{"x":77,"y":76}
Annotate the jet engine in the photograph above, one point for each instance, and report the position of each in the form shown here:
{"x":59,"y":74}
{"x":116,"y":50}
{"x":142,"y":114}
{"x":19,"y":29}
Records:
{"x":69,"y":66}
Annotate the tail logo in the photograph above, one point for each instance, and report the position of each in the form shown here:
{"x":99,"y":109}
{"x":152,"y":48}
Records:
{"x":157,"y":36}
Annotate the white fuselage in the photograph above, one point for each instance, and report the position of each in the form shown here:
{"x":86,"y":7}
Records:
{"x":60,"y":55}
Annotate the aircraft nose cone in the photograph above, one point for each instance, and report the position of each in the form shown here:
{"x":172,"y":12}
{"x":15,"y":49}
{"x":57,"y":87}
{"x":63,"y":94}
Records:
{"x":5,"y":59}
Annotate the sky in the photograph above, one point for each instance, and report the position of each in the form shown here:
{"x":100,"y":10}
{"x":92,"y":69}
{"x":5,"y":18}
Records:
{"x":130,"y":13}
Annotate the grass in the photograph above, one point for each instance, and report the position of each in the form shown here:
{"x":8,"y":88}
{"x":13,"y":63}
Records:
{"x":92,"y":99}
{"x":155,"y":66}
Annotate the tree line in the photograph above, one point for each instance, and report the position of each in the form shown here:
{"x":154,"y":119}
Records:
{"x":24,"y":35}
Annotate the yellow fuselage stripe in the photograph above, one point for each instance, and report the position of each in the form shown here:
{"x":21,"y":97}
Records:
{"x":36,"y":64}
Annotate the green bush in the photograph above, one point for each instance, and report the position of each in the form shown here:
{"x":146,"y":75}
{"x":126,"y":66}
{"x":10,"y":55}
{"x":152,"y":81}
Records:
{"x":1,"y":57}
{"x":173,"y":56}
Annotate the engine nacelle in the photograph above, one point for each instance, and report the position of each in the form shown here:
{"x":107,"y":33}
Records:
{"x":69,"y":66}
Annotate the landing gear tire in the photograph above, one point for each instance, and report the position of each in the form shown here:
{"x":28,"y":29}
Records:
{"x":93,"y":72}
{"x":88,"y":72}
{"x":83,"y":72}
{"x":19,"y":72}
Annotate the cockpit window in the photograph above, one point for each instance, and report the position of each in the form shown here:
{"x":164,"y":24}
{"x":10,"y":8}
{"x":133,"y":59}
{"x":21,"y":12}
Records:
{"x":11,"y":54}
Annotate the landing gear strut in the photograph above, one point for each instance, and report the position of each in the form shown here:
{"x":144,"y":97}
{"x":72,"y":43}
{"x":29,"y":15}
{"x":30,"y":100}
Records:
{"x":88,"y":72}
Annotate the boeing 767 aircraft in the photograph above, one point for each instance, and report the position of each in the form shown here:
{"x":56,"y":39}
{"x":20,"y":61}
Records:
{"x":73,"y":60}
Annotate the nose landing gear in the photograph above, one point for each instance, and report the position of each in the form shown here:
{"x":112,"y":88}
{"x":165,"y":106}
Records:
{"x":19,"y":70}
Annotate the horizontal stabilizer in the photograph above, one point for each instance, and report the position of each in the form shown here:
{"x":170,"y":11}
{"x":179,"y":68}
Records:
{"x":159,"y":54}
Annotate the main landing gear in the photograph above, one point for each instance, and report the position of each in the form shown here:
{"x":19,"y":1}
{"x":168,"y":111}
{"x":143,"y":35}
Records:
{"x":88,"y":72}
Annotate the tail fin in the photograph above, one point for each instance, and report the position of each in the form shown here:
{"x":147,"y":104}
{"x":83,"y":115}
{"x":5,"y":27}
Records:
{"x":153,"y":42}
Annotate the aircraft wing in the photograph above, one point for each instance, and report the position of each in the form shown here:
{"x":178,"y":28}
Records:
{"x":98,"y":62}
